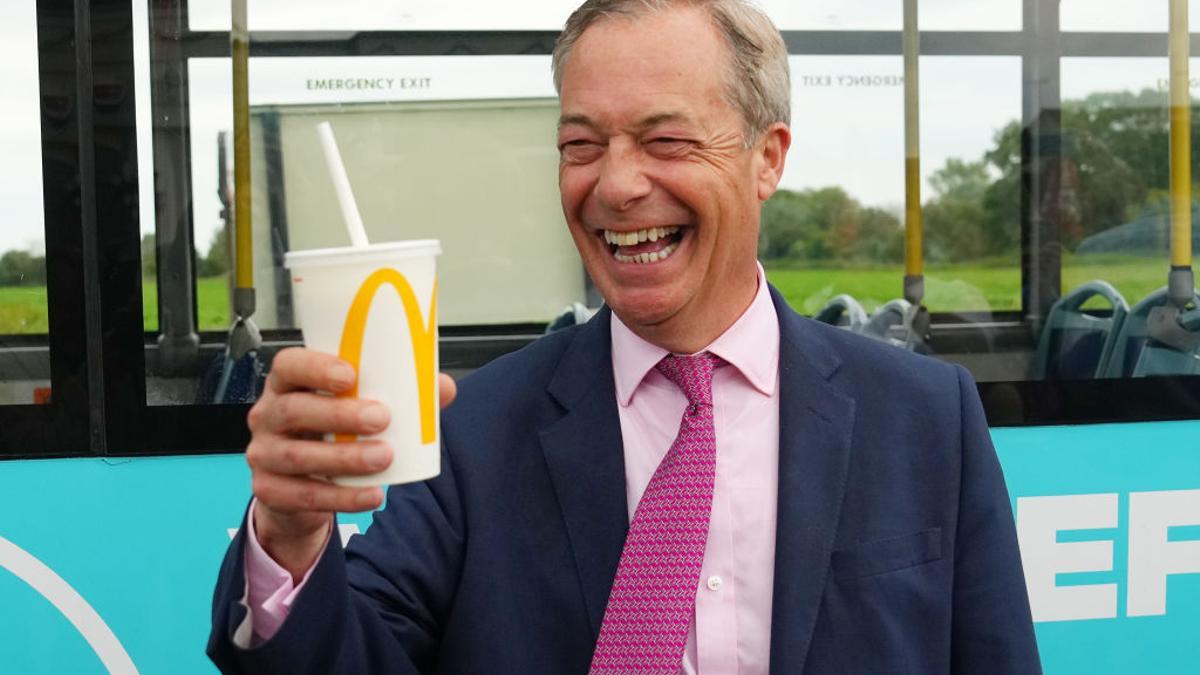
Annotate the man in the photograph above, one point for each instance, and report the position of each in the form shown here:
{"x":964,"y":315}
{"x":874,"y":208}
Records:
{"x":827,"y":504}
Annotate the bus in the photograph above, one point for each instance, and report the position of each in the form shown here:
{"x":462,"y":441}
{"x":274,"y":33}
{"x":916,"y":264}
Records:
{"x":1003,"y":184}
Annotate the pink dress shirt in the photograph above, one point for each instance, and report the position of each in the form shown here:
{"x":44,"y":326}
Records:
{"x":731,"y":630}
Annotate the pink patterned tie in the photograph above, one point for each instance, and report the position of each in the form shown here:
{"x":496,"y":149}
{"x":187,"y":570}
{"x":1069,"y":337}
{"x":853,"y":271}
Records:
{"x":654,"y":595}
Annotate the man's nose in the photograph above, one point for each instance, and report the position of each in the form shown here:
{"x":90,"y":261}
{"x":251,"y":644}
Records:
{"x":623,"y":180}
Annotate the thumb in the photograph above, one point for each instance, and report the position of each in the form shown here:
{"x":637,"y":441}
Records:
{"x":447,"y":389}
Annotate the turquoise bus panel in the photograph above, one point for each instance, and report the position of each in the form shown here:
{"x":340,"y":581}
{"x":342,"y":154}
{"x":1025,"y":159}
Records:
{"x":108,"y":565}
{"x":1120,"y":505}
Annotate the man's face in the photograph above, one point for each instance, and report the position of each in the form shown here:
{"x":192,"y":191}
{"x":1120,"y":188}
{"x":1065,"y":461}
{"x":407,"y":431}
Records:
{"x":659,"y":191}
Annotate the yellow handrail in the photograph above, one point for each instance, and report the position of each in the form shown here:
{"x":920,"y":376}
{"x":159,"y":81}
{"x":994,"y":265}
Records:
{"x":1181,"y":138}
{"x":914,"y":261}
{"x":239,"y":38}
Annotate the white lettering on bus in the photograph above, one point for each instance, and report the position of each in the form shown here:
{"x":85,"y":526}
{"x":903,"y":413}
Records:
{"x":1152,"y":556}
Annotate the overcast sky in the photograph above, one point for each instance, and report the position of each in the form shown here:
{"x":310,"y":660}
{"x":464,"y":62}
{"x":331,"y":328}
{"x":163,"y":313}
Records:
{"x":847,"y":110}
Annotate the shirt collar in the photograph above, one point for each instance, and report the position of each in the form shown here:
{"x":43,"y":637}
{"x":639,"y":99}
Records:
{"x":751,"y":345}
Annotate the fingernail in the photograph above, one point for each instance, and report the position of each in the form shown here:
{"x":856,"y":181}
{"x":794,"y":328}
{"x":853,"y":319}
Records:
{"x":368,"y":499}
{"x":374,"y":416}
{"x":377,"y":456}
{"x":341,"y":376}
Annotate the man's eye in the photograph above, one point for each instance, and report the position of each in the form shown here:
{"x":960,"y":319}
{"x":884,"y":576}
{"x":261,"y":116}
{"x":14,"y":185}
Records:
{"x":668,"y":145}
{"x":579,"y":150}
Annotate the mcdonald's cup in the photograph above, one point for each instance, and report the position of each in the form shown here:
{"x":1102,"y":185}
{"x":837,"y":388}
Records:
{"x":376,"y":308}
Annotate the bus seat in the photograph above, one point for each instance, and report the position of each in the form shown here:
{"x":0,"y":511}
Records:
{"x":243,"y":380}
{"x":577,"y":313}
{"x":1160,"y":359}
{"x":1132,"y":355}
{"x":888,"y":316}
{"x":1073,"y":344}
{"x":843,"y":311}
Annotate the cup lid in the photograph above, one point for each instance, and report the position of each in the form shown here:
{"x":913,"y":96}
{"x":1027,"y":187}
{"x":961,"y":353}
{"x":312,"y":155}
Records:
{"x":342,"y":255}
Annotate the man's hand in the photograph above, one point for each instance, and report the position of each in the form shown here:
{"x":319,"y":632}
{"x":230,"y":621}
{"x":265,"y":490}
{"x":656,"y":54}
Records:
{"x":287,"y":456}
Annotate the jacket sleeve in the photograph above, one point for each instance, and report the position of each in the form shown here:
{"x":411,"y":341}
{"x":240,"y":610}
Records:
{"x":992,"y":627}
{"x":375,"y":607}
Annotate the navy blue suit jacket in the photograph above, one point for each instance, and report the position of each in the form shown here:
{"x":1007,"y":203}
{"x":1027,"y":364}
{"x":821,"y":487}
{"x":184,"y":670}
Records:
{"x":895,"y":550}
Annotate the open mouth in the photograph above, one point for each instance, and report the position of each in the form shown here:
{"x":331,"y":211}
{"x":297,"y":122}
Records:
{"x":645,"y":246}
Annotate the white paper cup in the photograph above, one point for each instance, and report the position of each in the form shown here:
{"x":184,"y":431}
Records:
{"x":375,"y":307}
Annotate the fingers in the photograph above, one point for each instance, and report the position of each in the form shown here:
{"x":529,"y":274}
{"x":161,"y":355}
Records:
{"x":447,"y":389}
{"x":294,"y":494}
{"x":300,"y":412}
{"x":287,"y":423}
{"x":300,"y":368}
{"x":298,"y":457}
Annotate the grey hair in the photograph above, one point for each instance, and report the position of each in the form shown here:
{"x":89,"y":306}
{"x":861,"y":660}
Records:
{"x":758,"y":81}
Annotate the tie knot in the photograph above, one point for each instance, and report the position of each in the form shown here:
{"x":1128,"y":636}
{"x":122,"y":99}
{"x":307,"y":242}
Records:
{"x":692,"y":374}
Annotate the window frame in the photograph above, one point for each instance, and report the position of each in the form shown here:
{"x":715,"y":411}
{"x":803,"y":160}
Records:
{"x":66,"y":425}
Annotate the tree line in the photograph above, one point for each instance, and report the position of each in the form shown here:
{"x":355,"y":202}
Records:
{"x":211,"y":264}
{"x":25,"y":268}
{"x":22,"y":268}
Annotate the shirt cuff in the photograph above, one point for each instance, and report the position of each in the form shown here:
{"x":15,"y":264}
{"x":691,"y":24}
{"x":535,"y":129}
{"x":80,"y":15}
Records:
{"x":269,"y":592}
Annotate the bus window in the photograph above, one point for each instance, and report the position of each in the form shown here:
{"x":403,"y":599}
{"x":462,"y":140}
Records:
{"x":1120,"y":16}
{"x":280,"y":15}
{"x":970,"y":15}
{"x":1116,"y":173}
{"x":446,"y":148}
{"x":444,"y":114}
{"x":24,"y":321}
{"x":837,"y":225}
{"x":833,"y":227}
{"x":452,"y":148}
{"x":371,"y":15}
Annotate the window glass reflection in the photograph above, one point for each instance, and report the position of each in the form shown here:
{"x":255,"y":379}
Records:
{"x":460,"y":150}
{"x":1116,"y":139}
{"x":837,"y":225}
{"x":456,"y":149}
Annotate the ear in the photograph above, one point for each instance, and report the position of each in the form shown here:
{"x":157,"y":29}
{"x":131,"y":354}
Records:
{"x":772,"y":151}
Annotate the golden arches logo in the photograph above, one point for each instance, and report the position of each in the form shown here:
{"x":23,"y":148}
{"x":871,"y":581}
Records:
{"x":422,"y":336}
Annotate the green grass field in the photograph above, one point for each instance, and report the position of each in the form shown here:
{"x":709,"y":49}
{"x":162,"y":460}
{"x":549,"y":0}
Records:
{"x":957,"y":288}
{"x":23,"y":308}
{"x":212,"y":303}
{"x":949,"y":288}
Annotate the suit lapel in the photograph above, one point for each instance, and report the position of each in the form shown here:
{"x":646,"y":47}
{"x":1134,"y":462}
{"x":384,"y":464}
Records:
{"x":815,"y":425}
{"x":586,"y":460}
{"x":585,"y":456}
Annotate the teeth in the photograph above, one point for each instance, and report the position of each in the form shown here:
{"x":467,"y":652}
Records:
{"x":645,"y":258}
{"x":638,"y":236}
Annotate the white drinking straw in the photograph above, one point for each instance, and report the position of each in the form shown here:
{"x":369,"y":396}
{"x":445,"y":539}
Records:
{"x":341,"y":184}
